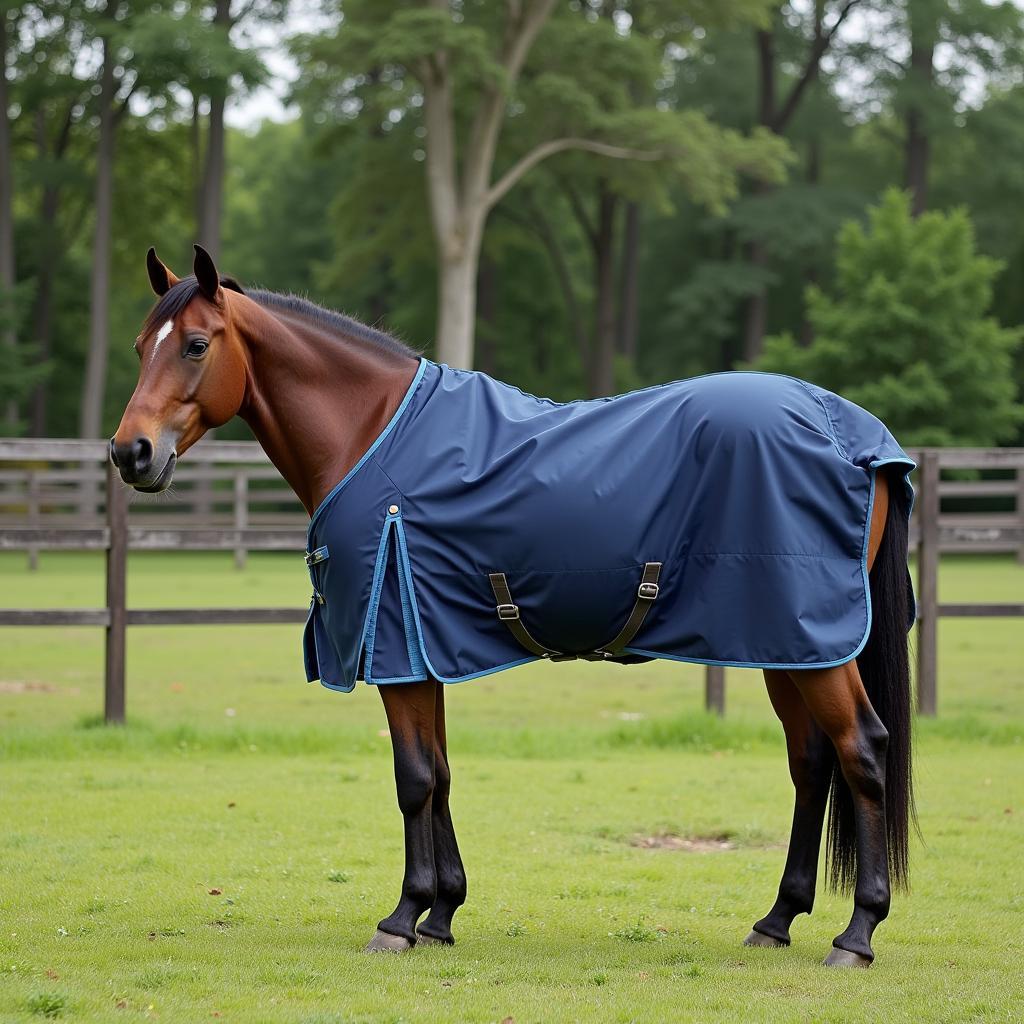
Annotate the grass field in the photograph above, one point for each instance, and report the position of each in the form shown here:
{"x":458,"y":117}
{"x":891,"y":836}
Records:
{"x":226,"y":855}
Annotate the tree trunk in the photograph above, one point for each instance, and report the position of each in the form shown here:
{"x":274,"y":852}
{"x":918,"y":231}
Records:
{"x":602,"y":368}
{"x":456,"y":311}
{"x":756,"y":323}
{"x":487,"y":306}
{"x":195,"y":139}
{"x":49,"y":250}
{"x":918,"y":145}
{"x":755,"y":255}
{"x":806,"y":336}
{"x":42,"y":316}
{"x":629,"y":328}
{"x":577,"y":324}
{"x":93,"y":390}
{"x":8,"y":275}
{"x":212,"y":200}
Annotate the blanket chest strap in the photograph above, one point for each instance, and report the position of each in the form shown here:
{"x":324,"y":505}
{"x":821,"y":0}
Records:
{"x":508,"y":612}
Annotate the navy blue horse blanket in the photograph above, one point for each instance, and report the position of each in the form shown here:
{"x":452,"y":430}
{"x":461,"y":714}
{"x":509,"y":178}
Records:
{"x":750,"y":493}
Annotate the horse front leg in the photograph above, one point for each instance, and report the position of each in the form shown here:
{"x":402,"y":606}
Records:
{"x":451,"y":876}
{"x":809,"y":767}
{"x":411,"y":714}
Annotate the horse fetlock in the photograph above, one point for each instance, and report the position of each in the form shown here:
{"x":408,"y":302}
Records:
{"x":796,"y":895}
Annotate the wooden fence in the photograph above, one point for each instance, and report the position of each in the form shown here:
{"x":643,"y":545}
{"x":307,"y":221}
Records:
{"x":63,"y":494}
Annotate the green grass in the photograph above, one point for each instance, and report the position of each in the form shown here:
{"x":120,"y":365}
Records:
{"x":234,"y":775}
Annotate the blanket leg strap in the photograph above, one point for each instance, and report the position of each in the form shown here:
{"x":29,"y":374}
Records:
{"x":508,"y":612}
{"x":646,"y":595}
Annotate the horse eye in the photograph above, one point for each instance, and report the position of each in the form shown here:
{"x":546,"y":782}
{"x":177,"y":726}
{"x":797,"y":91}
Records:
{"x":197,"y":348}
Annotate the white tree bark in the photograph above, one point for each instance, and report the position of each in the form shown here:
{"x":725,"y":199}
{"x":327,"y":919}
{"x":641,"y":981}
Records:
{"x":462,"y":194}
{"x":459,"y":203}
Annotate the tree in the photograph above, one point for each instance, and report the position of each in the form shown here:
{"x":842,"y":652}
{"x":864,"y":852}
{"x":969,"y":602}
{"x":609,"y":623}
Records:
{"x":907,"y":334}
{"x":8,"y":275}
{"x":221,"y":67}
{"x":926,"y":57}
{"x":614,"y":89}
{"x":141,"y":53}
{"x":775,"y":111}
{"x":464,"y":68}
{"x":52,"y":97}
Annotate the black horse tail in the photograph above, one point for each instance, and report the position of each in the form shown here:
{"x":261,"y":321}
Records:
{"x":884,"y":665}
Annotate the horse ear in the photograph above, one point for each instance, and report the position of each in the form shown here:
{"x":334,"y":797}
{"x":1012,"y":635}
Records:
{"x":160,"y":277}
{"x":206,"y":274}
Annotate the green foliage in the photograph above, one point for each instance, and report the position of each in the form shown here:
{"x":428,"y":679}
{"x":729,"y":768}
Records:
{"x":906,"y":332}
{"x":334,"y":204}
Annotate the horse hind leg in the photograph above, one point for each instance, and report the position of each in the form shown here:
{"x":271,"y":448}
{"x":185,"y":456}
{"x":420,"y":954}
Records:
{"x":840,"y":706}
{"x":810,"y":761}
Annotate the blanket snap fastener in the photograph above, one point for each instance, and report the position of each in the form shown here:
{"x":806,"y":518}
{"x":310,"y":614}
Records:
{"x":392,"y":510}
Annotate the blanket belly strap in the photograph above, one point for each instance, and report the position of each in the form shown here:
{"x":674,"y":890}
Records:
{"x":508,"y":613}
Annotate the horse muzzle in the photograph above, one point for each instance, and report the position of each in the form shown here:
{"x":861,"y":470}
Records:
{"x":141,"y":466}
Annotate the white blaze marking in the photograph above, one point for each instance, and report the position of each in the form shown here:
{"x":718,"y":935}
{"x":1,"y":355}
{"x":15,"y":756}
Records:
{"x":160,"y":335}
{"x":163,"y":332}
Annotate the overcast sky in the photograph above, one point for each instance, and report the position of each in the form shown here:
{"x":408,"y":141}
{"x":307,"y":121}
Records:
{"x":268,"y":101}
{"x":305,"y":16}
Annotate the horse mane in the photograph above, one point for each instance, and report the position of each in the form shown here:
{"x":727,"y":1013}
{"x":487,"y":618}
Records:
{"x":177,"y":297}
{"x":331,"y":319}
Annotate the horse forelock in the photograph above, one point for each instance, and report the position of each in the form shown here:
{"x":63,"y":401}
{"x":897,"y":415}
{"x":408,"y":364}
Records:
{"x":177,"y":297}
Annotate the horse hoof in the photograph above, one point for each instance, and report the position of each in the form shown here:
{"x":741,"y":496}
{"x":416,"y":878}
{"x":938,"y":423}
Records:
{"x":432,"y":940}
{"x":385,"y":942}
{"x":756,"y":938}
{"x":844,"y":958}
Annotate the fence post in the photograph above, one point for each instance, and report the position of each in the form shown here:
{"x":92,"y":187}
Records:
{"x":117,"y":564}
{"x":928,"y":584}
{"x":33,"y":516}
{"x":241,"y":513}
{"x":1020,"y":514}
{"x":714,"y":689}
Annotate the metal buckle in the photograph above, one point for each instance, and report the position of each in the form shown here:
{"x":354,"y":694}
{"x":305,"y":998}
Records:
{"x":314,"y":557}
{"x":508,"y":612}
{"x":318,"y":597}
{"x":648,"y":591}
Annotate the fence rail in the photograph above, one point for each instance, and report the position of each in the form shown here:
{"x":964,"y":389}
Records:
{"x":64,"y":495}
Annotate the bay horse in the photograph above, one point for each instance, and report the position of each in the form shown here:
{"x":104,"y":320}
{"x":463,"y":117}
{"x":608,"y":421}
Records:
{"x":318,"y":391}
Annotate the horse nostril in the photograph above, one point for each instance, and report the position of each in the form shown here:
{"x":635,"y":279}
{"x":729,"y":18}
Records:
{"x":113,"y":452}
{"x":142,"y":453}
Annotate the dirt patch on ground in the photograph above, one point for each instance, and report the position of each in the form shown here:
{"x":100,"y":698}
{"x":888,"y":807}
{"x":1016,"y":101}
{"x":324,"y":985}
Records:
{"x":689,"y":844}
{"x":15,"y":686}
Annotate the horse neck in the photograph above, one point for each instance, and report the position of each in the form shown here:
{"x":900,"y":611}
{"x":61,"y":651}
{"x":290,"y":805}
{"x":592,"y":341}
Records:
{"x":315,"y":399}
